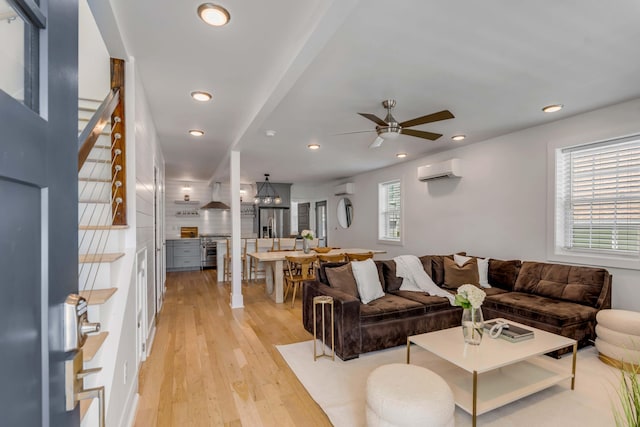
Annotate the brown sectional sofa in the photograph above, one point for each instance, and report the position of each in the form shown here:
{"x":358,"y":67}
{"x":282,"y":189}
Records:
{"x":557,"y":298}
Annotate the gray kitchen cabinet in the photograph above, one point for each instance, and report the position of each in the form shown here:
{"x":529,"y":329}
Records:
{"x":169,"y":249}
{"x":185,"y":254}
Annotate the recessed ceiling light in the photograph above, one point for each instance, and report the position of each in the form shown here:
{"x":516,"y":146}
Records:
{"x":202,"y":96}
{"x":552,"y":108}
{"x":401,"y":155}
{"x":213,"y":14}
{"x":313,"y":146}
{"x":270,"y":133}
{"x":196,"y":132}
{"x":458,"y":137}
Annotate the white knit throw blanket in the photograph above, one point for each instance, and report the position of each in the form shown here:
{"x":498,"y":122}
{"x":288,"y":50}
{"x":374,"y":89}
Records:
{"x":410,"y":269}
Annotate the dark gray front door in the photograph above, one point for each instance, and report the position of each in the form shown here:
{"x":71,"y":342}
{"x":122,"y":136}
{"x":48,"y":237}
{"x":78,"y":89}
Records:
{"x":38,"y":230}
{"x":303,"y":216}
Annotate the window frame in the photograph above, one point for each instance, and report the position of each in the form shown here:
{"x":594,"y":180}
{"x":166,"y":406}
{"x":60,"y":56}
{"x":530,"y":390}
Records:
{"x":383,"y":212}
{"x":34,"y":21}
{"x":556,"y":235}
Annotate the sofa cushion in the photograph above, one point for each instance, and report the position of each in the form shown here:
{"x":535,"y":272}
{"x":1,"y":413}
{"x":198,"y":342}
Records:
{"x":430,"y":303}
{"x":389,"y":307}
{"x":368,"y":280}
{"x":455,"y":275}
{"x":503,"y":274}
{"x":322,"y":270}
{"x":570,"y":283}
{"x":322,"y":275}
{"x":392,"y":282}
{"x":437,"y":266}
{"x":341,"y":278}
{"x":539,"y":308}
{"x":494,"y":291}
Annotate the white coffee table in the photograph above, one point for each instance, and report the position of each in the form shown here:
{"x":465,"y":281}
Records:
{"x":501,"y":371}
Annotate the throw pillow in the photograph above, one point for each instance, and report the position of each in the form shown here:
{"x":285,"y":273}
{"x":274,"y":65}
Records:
{"x":483,"y":268}
{"x":341,"y":278}
{"x":455,"y":276}
{"x":367,"y":280}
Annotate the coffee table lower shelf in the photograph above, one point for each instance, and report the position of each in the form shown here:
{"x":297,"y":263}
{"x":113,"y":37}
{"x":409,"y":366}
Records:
{"x":500,"y":386}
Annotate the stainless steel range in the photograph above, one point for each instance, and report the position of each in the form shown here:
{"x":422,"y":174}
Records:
{"x":209,"y":253}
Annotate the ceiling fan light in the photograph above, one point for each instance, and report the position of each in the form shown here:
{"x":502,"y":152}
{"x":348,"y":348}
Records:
{"x":388,"y":134}
{"x":213,"y":14}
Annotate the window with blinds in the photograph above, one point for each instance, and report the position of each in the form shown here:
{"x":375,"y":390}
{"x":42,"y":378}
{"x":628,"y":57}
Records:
{"x":389,"y":211}
{"x":598,"y":198}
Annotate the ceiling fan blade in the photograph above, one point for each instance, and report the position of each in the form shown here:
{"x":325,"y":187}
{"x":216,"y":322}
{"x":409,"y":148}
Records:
{"x":377,"y":142}
{"x":377,"y":120}
{"x":357,"y":131}
{"x":435,"y":117}
{"x":421,"y":134}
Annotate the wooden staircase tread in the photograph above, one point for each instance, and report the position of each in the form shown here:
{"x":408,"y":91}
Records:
{"x":95,"y":180}
{"x":92,"y":345}
{"x":103,"y":227}
{"x":89,"y":258}
{"x":98,"y":296}
{"x":84,"y":407}
{"x":98,"y":160}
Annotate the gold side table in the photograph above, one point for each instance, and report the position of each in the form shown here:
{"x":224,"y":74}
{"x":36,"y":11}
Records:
{"x":322,"y":301}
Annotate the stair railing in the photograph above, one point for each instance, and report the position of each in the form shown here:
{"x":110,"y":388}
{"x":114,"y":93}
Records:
{"x":101,"y":220}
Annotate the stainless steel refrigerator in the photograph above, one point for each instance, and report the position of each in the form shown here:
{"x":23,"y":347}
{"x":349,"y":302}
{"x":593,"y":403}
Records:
{"x":274,"y":222}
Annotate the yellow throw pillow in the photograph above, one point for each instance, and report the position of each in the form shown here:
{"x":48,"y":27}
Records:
{"x":455,"y":275}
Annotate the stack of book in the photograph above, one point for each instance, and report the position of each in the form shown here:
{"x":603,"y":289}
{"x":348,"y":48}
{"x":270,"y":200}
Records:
{"x":511,"y":332}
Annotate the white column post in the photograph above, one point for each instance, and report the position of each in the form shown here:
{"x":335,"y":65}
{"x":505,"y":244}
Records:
{"x":236,"y":263}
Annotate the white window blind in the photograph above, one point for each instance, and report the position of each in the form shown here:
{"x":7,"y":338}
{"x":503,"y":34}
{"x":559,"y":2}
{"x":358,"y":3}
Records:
{"x":598,"y":198}
{"x":390,"y":211}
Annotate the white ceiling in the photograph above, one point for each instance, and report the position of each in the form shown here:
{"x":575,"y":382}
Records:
{"x":305,"y":68}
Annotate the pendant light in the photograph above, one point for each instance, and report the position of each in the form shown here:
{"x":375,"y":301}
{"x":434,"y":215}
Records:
{"x":266,"y":193}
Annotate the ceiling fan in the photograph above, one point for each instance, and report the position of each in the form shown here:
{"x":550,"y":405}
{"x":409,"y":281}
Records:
{"x":389,"y":128}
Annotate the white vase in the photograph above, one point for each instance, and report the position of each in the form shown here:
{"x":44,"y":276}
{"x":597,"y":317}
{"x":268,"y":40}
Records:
{"x":472,"y":325}
{"x":305,"y":245}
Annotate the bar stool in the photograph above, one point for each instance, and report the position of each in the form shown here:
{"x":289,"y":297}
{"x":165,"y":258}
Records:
{"x":262,"y":245}
{"x":323,"y":301}
{"x":243,"y":261}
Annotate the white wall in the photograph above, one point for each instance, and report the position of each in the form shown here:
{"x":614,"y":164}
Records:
{"x":209,"y":221}
{"x":498,"y":208}
{"x":94,"y":68}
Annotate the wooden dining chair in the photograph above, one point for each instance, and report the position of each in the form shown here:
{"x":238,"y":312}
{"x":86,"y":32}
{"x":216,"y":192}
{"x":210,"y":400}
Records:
{"x":359,"y":257}
{"x":286,"y":244}
{"x":299,"y":269}
{"x":331,"y":258}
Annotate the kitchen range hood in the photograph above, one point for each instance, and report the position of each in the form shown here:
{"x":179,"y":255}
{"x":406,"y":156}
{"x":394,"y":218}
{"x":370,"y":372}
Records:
{"x":215,"y":203}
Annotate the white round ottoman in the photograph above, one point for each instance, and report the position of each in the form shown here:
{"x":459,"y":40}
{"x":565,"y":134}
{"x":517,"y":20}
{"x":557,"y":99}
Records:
{"x":618,"y":337}
{"x":408,"y":395}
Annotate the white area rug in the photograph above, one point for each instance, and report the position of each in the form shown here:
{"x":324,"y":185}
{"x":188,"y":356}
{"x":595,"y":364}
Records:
{"x":339,"y":388}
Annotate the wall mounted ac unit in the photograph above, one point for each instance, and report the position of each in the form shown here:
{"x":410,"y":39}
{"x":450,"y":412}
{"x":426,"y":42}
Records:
{"x":447,"y":169}
{"x":342,"y":189}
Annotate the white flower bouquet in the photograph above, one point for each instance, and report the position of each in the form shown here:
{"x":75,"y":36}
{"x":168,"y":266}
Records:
{"x":307,"y":234}
{"x":469,"y":296}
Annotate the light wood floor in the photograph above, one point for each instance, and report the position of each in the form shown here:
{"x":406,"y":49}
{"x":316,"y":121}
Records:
{"x":211,"y":365}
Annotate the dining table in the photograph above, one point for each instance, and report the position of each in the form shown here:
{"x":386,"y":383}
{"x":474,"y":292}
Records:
{"x":274,"y":272}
